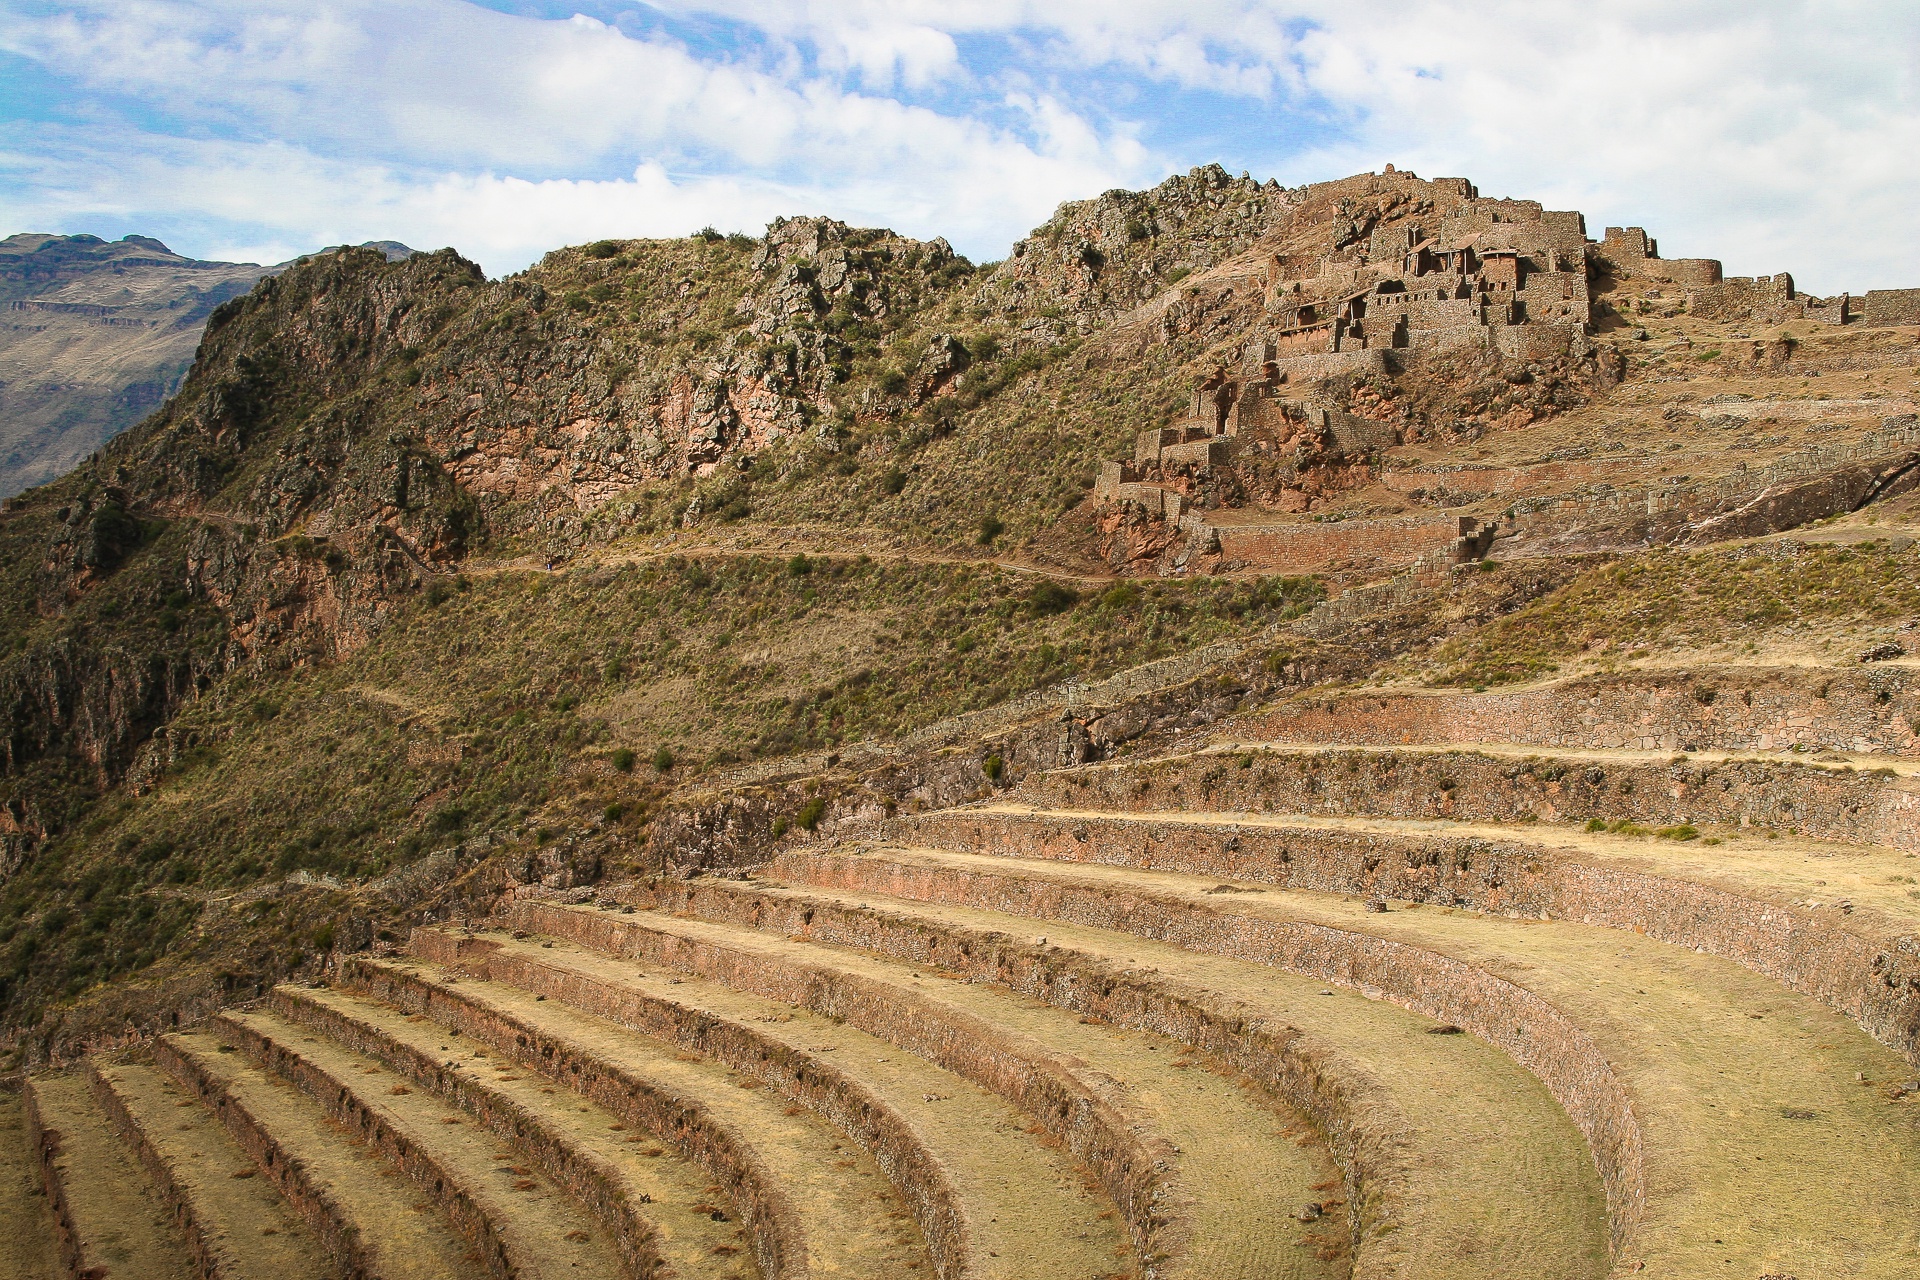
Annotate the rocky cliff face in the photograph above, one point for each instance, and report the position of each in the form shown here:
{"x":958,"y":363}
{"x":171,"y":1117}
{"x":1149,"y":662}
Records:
{"x":405,"y":587}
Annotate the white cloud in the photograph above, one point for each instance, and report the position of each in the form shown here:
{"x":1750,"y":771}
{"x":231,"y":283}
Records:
{"x":1774,"y":134}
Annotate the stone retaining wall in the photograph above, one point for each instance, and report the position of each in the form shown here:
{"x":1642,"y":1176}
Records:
{"x":1872,"y":709}
{"x":1842,"y":804}
{"x":805,"y":1078}
{"x":46,"y":1146}
{"x":1362,"y":1126}
{"x":311,"y":1199}
{"x":1306,"y":546}
{"x":337,"y":1098}
{"x":600,"y":1188}
{"x":1867,"y":972}
{"x":207,"y":1257}
{"x":1040,"y":1082}
{"x":1529,"y":1029}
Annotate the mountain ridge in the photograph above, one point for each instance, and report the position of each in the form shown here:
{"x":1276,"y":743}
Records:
{"x":394,"y":604}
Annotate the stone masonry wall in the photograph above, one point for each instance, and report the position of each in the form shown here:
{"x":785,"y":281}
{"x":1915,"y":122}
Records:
{"x":208,"y":1254}
{"x":599,"y":1187}
{"x":1875,"y":807}
{"x":1867,"y":969}
{"x":1529,"y":1029}
{"x":1767,"y":709}
{"x":1362,"y":1126}
{"x":346,"y":1108}
{"x":45,"y":1143}
{"x":1040,"y":1082}
{"x":1303,"y":547}
{"x":805,"y":1078}
{"x":311,"y":1200}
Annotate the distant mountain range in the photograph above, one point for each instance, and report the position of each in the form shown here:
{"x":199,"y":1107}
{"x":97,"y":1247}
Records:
{"x":94,"y":335}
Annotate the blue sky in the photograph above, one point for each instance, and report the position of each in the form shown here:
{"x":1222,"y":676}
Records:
{"x":1777,"y":136}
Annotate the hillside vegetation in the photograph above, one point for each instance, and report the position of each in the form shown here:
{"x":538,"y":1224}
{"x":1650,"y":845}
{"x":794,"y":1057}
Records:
{"x":425,"y":584}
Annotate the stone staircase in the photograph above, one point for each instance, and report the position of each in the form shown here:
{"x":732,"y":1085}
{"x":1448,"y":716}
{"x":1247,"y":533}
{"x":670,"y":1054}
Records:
{"x":1332,"y":996}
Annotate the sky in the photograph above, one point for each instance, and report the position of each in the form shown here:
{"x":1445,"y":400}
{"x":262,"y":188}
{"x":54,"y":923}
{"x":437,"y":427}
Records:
{"x":1772,"y":134}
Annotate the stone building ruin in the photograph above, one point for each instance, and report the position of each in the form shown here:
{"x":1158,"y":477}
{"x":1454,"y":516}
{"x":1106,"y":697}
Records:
{"x":1402,"y":269}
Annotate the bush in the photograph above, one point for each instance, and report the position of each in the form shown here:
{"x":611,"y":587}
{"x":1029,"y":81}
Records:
{"x":894,"y":481}
{"x":983,"y":346}
{"x":603,"y":249}
{"x":800,"y":566}
{"x":662,"y":760}
{"x":991,"y":527}
{"x":1685,"y":831}
{"x":993,"y":766}
{"x":1051,"y":597}
{"x":811,"y":813}
{"x":623,"y":759}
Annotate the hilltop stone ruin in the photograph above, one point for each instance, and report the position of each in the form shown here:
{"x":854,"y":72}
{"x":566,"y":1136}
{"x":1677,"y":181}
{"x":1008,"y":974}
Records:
{"x":1400,"y":275}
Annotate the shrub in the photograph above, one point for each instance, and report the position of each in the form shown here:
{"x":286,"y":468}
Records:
{"x":983,"y":346}
{"x":662,"y":760}
{"x":800,"y":566}
{"x":623,"y":759}
{"x":1051,"y":597}
{"x":993,"y":766}
{"x":1685,"y":831}
{"x":991,"y":527}
{"x":1596,"y":824}
{"x":893,"y":481}
{"x":603,"y":249}
{"x":708,"y":234}
{"x":811,"y":813}
{"x":1137,"y":230}
{"x":614,"y":812}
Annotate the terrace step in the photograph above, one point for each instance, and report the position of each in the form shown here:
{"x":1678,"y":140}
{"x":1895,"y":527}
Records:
{"x":1725,"y":1073}
{"x":1850,"y":947}
{"x":112,"y":1222}
{"x":590,"y":1147}
{"x":524,"y":1229}
{"x":371,"y":1219}
{"x":27,"y":1249}
{"x":1422,"y":1117}
{"x":991,"y":1202}
{"x":237,"y":1225}
{"x":1865,"y":711}
{"x":1209,"y":1174}
{"x":1834,"y":802}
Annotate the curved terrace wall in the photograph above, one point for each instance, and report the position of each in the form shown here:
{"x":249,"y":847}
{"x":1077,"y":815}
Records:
{"x":1871,"y":709}
{"x":1528,"y":1028}
{"x":1874,"y":979}
{"x":1844,"y":804}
